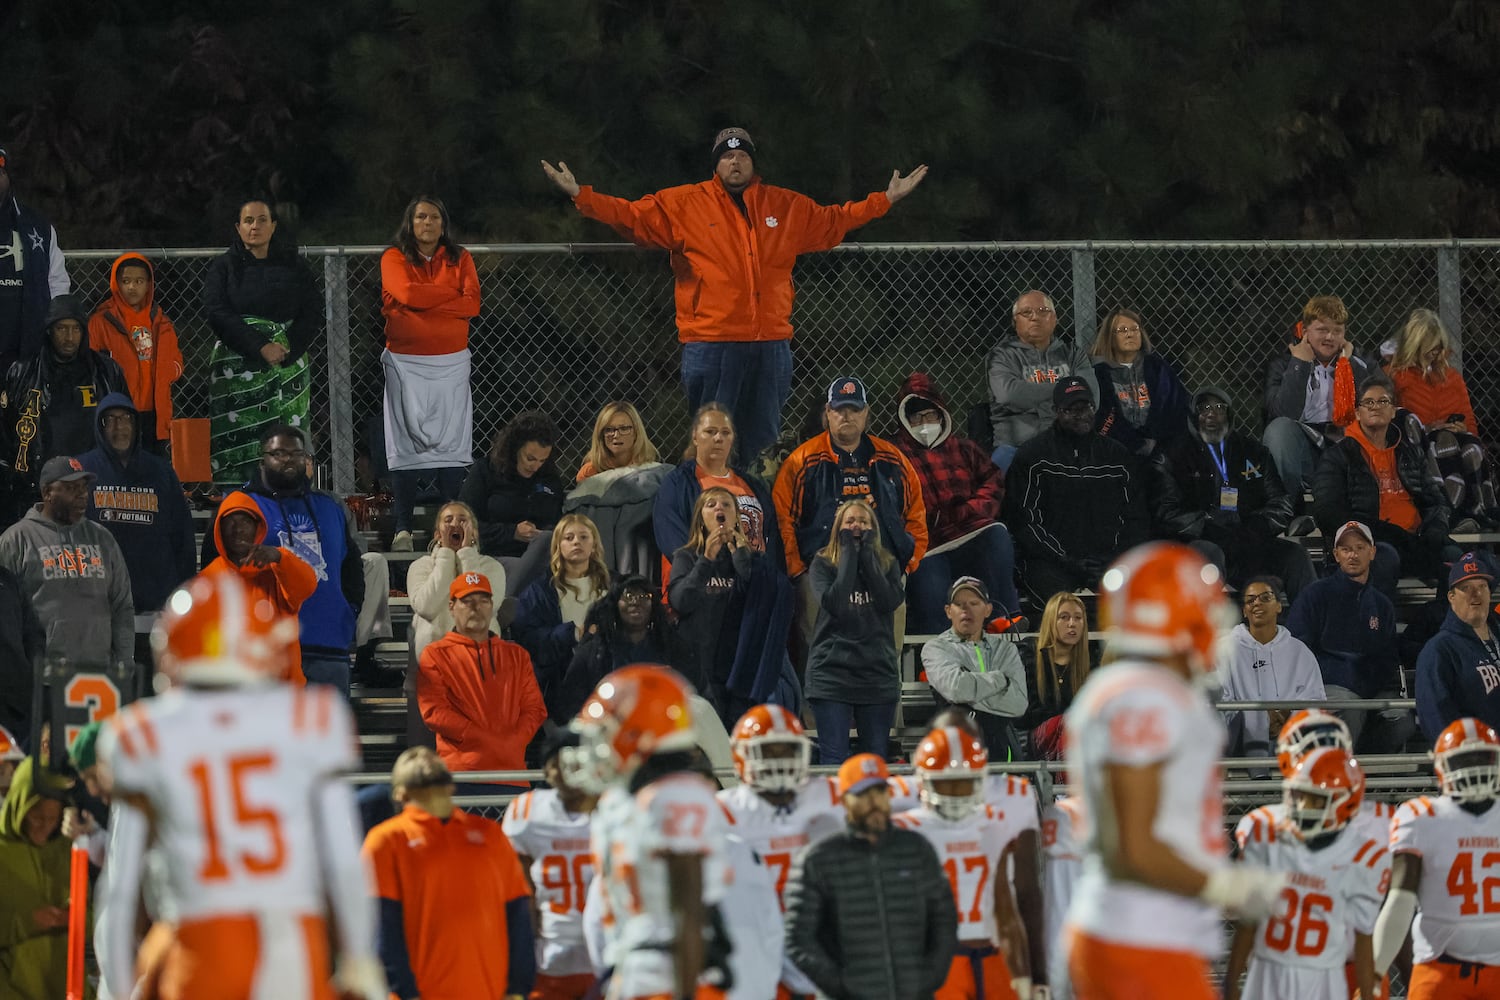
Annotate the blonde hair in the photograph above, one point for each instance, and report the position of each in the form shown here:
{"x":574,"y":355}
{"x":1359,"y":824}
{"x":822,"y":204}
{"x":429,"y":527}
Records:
{"x":698,"y":533}
{"x":1422,"y":328}
{"x":598,"y":572}
{"x":831,"y":550}
{"x":643,"y":450}
{"x":712,"y":406}
{"x":437,"y":522}
{"x":1047,"y":688}
{"x":1104,"y":344}
{"x":419,"y":767}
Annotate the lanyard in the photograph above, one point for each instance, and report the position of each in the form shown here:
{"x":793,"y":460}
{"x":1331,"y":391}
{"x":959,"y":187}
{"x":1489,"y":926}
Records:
{"x":1219,"y":462}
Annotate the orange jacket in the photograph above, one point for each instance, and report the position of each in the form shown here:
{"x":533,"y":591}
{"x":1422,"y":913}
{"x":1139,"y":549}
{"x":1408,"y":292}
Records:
{"x":732,"y":268}
{"x":481,"y":700}
{"x":1435,"y":401}
{"x":143,"y":343}
{"x":427,"y":308}
{"x":286,"y":584}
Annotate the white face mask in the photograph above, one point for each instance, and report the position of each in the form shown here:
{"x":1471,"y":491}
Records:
{"x":927,"y":433}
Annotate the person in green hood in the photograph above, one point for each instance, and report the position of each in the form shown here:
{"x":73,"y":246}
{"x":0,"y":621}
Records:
{"x":34,"y":860}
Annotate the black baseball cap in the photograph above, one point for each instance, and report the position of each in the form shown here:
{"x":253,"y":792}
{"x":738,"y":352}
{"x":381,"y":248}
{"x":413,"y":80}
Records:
{"x":1071,"y":390}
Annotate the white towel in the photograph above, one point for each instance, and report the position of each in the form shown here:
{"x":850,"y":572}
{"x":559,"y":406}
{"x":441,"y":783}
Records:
{"x":429,"y":410}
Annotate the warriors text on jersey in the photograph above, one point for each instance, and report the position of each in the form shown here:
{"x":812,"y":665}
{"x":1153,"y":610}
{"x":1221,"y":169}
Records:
{"x":1458,"y":902}
{"x":562,"y":865}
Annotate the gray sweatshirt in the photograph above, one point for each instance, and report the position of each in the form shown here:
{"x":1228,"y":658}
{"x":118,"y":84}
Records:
{"x":955,"y":672}
{"x":1281,"y":670}
{"x":1021,"y":382}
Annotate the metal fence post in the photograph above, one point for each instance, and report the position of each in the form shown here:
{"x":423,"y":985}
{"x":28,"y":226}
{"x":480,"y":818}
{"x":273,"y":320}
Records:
{"x":1450,"y":297}
{"x":340,"y":372}
{"x":1084,"y":320}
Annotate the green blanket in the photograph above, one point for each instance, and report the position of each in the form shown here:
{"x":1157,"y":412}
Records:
{"x":245,"y":400}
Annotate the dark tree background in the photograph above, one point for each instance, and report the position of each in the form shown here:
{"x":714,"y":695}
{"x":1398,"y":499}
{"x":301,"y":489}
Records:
{"x":136,"y":123}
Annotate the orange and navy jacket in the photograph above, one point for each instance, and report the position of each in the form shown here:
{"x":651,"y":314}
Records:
{"x":427,"y":307}
{"x":286,"y":584}
{"x":143,"y":342}
{"x":481,"y":700}
{"x":732,"y":267}
{"x":422,"y":866}
{"x":809,"y":489}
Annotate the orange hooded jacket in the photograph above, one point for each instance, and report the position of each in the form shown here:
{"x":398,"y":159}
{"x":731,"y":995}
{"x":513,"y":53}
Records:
{"x":286,"y":584}
{"x":481,"y":700}
{"x":143,"y":343}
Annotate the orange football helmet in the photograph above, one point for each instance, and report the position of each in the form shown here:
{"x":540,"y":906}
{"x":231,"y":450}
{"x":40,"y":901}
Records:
{"x":1307,"y":730}
{"x":1467,"y":761}
{"x":1162,"y":599}
{"x":634,"y":712}
{"x":214,"y":630}
{"x":1334,"y":781}
{"x":760,"y":729}
{"x":950,"y":754}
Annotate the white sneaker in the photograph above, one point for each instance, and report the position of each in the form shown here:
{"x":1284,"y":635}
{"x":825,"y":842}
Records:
{"x":402,"y":542}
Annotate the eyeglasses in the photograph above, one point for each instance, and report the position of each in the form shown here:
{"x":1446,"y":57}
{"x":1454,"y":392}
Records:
{"x":1129,"y":331}
{"x":622,"y":429}
{"x":1265,"y":598}
{"x":119,"y":417}
{"x":1375,"y":404}
{"x":635,"y":597}
{"x":1034,"y":313}
{"x":281,"y":454}
{"x":1215,"y":407}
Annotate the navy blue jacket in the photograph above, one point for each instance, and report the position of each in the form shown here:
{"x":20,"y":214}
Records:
{"x":541,"y":631}
{"x":25,"y":339}
{"x":1169,"y":406}
{"x":1351,"y":628}
{"x":680,"y":490}
{"x":1457,"y":677}
{"x":139,"y":500}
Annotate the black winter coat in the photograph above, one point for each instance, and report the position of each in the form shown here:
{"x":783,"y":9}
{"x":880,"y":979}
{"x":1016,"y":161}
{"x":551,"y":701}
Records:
{"x":280,"y":288}
{"x":502,"y":502}
{"x":1263,"y":506}
{"x":1345,"y":489}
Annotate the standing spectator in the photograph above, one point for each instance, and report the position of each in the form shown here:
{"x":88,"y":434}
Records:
{"x":975,"y":671}
{"x":131,"y":328}
{"x":320,"y":530}
{"x":1458,"y":671}
{"x":852,"y":673}
{"x":22,"y":640}
{"x":1234,"y":505}
{"x":1060,"y":662}
{"x":34,"y":861}
{"x":1074,"y":498}
{"x":1264,"y":662}
{"x":626,"y":625}
{"x":37,"y":273}
{"x":733,"y":609}
{"x":73,"y":571}
{"x":734,"y":321}
{"x":961,"y":493}
{"x":1142,"y":403}
{"x":1379,"y":476}
{"x":1432,"y":389}
{"x":868,"y":910}
{"x":429,"y":291}
{"x":49,"y":401}
{"x":477,"y":691}
{"x":619,"y":441}
{"x":517,"y":495}
{"x":1023,"y":371}
{"x":1310,"y":394}
{"x":1350,"y":626}
{"x":428,"y":858}
{"x":266,"y":312}
{"x":551,"y":612}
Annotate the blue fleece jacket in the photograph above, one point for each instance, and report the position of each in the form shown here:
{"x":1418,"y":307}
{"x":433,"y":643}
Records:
{"x":1351,"y":629}
{"x":1458,"y":676}
{"x":674,"y":509}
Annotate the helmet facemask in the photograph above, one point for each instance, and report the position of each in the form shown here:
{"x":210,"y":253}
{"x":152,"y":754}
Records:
{"x":1470,"y":772}
{"x":950,"y":806}
{"x":778,"y":770}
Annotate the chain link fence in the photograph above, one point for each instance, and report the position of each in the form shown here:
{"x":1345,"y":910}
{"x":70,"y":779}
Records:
{"x":566,"y":328}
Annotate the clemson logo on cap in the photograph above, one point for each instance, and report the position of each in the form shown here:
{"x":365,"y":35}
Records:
{"x":471,"y":578}
{"x":732,"y":142}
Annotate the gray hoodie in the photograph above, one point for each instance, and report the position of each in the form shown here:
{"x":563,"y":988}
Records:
{"x":1021,"y":383}
{"x":79,"y":585}
{"x":1283,"y":669}
{"x":953,"y":670}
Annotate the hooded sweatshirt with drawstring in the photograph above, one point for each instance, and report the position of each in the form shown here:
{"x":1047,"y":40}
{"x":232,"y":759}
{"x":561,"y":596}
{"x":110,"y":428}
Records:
{"x":34,"y":961}
{"x":286,"y":584}
{"x":1283,"y":669}
{"x":482,"y":701}
{"x":143,"y":342}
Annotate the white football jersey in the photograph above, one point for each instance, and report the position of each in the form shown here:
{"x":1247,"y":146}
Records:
{"x":1062,"y":857}
{"x":231,"y":776}
{"x":1373,"y":820}
{"x":1011,"y":794}
{"x":778,"y":833}
{"x":562,"y":866}
{"x":971,"y":852}
{"x":1136,"y":713}
{"x":1458,"y":902}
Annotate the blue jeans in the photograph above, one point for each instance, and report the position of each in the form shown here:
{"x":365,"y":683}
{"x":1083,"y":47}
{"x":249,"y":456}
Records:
{"x":872,"y":722}
{"x":1003,"y":455}
{"x":1295,"y":454}
{"x":320,"y":668}
{"x":990,"y":556}
{"x":752,"y":380}
{"x":405,"y":483}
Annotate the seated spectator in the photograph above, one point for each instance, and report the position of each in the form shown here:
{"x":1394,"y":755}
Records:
{"x":1264,"y":662}
{"x":626,"y":625}
{"x":961,"y":494}
{"x":852,"y":670}
{"x":1074,"y":499}
{"x":1310,"y":394}
{"x":1379,"y":476}
{"x":1234,"y":504}
{"x":1350,"y":626}
{"x":1142,"y":403}
{"x":477,"y":691}
{"x":34,"y":862}
{"x":975,"y":671}
{"x":22,"y":640}
{"x":278,"y":575}
{"x":1458,"y":671}
{"x":131,"y":328}
{"x":733,"y":610}
{"x":550,"y":612}
{"x":619,"y":441}
{"x":621,"y":503}
{"x":1060,"y":662}
{"x":1433,"y":390}
{"x":1023,"y":370}
{"x":49,"y":403}
{"x":517,"y":495}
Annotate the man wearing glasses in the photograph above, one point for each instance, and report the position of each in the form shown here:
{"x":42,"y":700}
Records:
{"x":1023,"y":371}
{"x":1233,"y":502}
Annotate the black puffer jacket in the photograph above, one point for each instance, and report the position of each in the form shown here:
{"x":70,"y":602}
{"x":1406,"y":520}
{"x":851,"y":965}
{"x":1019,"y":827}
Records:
{"x":1345,"y":488}
{"x":279,"y":288}
{"x":1263,"y":506}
